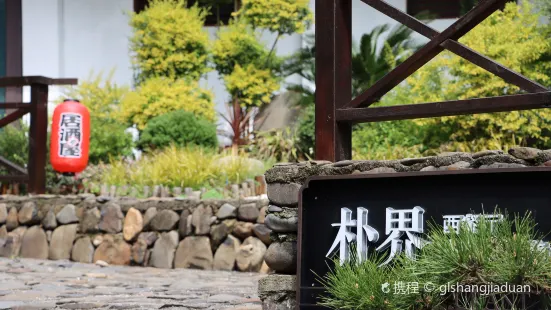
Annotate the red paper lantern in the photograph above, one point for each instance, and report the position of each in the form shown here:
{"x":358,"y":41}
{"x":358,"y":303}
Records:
{"x":70,"y":137}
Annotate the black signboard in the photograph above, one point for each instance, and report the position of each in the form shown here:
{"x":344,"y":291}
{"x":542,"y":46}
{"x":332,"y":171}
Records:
{"x":398,"y":206}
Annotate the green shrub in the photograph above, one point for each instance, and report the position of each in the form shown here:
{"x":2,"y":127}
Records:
{"x":306,"y":130}
{"x":279,"y":145}
{"x":169,"y":41}
{"x":158,"y":96}
{"x":102,"y":97}
{"x":14,"y":144}
{"x":180,"y":128}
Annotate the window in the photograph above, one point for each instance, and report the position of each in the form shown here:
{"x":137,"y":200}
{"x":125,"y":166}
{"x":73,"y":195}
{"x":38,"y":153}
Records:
{"x":220,"y":11}
{"x":440,"y":8}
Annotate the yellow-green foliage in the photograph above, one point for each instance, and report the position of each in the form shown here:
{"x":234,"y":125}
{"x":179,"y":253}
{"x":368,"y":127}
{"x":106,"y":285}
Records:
{"x":280,"y":16}
{"x":251,"y":85}
{"x":512,"y":37}
{"x":237,"y":44}
{"x":186,"y":167}
{"x":158,"y":96}
{"x":100,"y":95}
{"x":169,"y":40}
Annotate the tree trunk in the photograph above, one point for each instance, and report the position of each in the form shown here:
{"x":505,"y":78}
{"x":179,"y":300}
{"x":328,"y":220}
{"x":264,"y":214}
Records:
{"x":236,"y":126}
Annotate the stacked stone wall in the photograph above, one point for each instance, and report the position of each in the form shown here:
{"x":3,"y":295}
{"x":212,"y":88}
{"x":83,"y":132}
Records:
{"x":284,"y":182}
{"x":158,"y":232}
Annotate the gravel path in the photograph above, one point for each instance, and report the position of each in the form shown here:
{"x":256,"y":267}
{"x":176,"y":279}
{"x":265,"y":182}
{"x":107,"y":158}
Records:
{"x":37,"y":284}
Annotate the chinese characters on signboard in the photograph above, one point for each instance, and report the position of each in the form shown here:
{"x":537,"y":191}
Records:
{"x":70,"y":135}
{"x":398,"y":222}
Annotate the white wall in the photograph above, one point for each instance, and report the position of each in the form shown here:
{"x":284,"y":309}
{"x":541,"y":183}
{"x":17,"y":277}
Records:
{"x":69,"y":38}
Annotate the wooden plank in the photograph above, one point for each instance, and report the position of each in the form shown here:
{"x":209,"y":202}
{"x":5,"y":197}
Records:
{"x":14,"y":178}
{"x":457,"y":48}
{"x":14,"y":105}
{"x":10,"y":118}
{"x":19,"y":81}
{"x":14,"y":48}
{"x":37,"y":139}
{"x":425,"y":54}
{"x":333,"y":77}
{"x":448,"y":108}
{"x":13,"y":167}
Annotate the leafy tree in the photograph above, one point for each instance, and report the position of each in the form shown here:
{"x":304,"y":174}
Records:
{"x":102,"y":97}
{"x":169,"y":40}
{"x":513,"y":37}
{"x":180,"y":128}
{"x":157,"y":96}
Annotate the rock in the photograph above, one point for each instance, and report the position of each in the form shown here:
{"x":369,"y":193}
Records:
{"x":226,"y":211}
{"x":501,"y":165}
{"x":149,"y":214}
{"x":162,"y":255}
{"x":102,"y":263}
{"x":248,"y":212}
{"x":458,"y":166}
{"x":380,"y":170}
{"x":164,"y":221}
{"x":184,"y":226}
{"x":278,"y":292}
{"x":282,"y":257}
{"x":49,"y":221}
{"x":262,"y":215}
{"x":486,"y":153}
{"x":11,"y":245}
{"x":194,"y":252}
{"x":62,"y":242}
{"x":103,"y":199}
{"x":547,"y":163}
{"x":34,"y":243}
{"x":115,"y":252}
{"x":243,"y":230}
{"x":139,"y":249}
{"x":111,"y":218}
{"x":263,"y":233}
{"x":67,"y":215}
{"x":275,"y":209}
{"x":12,"y":222}
{"x":526,"y":153}
{"x":90,"y":221}
{"x":219,"y":232}
{"x":264,"y":269}
{"x":250,"y":255}
{"x":3,"y":232}
{"x":98,"y":239}
{"x":282,"y":225}
{"x":283,"y":194}
{"x":491,"y":159}
{"x":83,"y":250}
{"x":148,"y":237}
{"x":201,"y":220}
{"x":28,"y":215}
{"x":224,"y":258}
{"x":49,"y":236}
{"x":3,"y":213}
{"x":133,"y":224}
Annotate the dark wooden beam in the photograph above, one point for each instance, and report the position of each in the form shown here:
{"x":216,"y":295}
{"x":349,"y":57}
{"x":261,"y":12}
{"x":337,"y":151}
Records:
{"x":14,"y":48}
{"x":14,"y":178}
{"x":333,"y":77}
{"x":14,"y":105}
{"x":426,"y":53}
{"x":448,"y":108}
{"x":139,"y":5}
{"x":457,"y":48}
{"x":17,"y":81}
{"x":37,"y":138}
{"x":13,"y":167}
{"x":15,"y":115}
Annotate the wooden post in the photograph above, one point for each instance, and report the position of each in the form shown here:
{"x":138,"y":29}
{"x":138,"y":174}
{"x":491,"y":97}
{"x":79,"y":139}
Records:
{"x":333,"y":78}
{"x":38,"y":134}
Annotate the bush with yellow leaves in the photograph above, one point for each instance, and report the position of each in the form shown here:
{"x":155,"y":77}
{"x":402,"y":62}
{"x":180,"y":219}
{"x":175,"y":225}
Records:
{"x":157,"y":96}
{"x":514,"y":38}
{"x":279,"y":16}
{"x":251,"y":85}
{"x":169,"y":40}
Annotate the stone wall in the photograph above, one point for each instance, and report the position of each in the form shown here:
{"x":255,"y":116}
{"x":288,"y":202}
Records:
{"x":157,"y":232}
{"x":285,"y":180}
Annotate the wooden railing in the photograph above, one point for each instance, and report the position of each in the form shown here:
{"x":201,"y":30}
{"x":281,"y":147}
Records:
{"x":336,"y":111}
{"x":35,"y":174}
